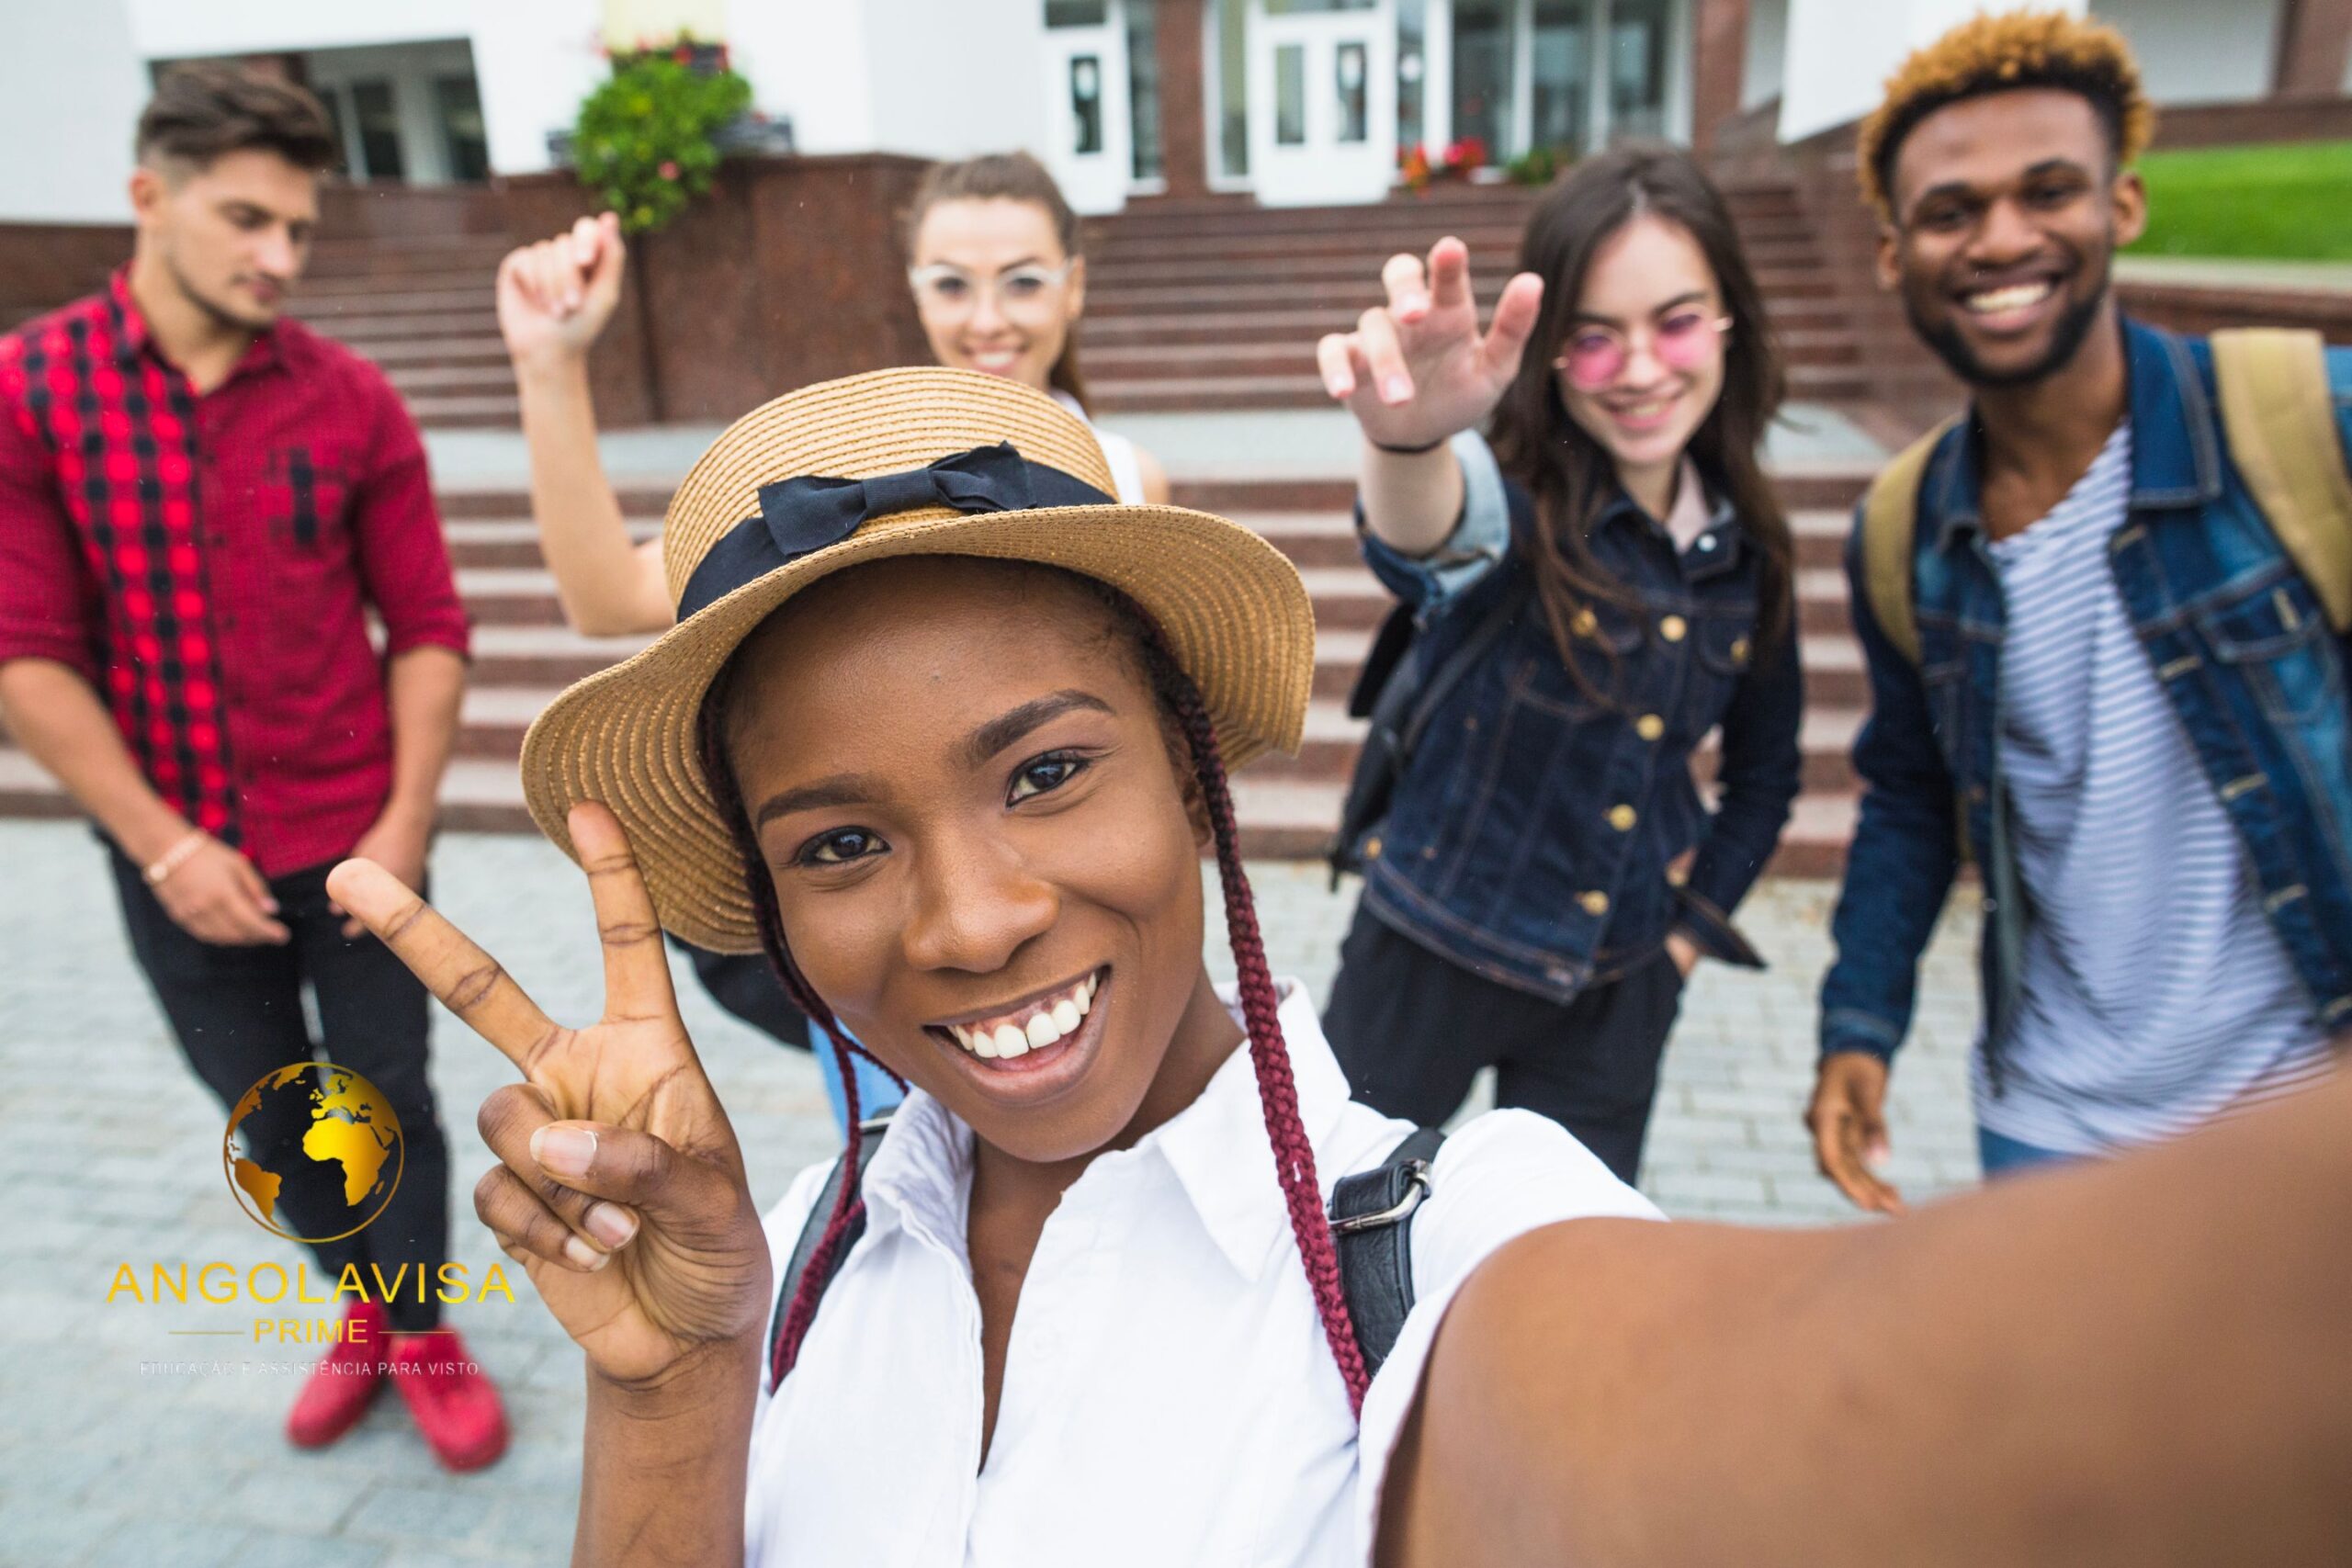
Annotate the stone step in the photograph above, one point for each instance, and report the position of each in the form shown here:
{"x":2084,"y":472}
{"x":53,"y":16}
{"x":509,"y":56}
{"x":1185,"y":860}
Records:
{"x":362,"y":333}
{"x":391,"y":297}
{"x":1115,"y":298}
{"x":1177,"y":392}
{"x":466,"y":348}
{"x":1358,"y":266}
{"x":436,"y":379}
{"x":467,"y":410}
{"x":1305,"y":323}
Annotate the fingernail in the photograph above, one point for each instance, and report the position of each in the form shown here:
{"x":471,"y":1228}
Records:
{"x":610,"y":1223}
{"x":563,"y":1151}
{"x":269,"y":903}
{"x":587,"y":1257}
{"x":1395,"y":388}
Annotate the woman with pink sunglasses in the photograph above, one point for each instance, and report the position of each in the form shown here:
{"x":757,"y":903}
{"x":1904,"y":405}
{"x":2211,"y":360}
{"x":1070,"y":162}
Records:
{"x":1598,"y":581}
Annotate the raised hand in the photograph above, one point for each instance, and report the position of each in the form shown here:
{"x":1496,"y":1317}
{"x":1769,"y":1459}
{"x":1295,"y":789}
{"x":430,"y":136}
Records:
{"x":621,"y":1187}
{"x":1416,"y":370}
{"x":555,"y":296}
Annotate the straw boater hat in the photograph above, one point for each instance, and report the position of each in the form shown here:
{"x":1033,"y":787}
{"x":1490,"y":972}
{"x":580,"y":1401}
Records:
{"x":952,"y":462}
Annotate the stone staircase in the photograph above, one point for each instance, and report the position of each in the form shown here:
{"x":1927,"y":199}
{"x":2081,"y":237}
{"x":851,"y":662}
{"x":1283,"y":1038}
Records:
{"x":1216,"y":304}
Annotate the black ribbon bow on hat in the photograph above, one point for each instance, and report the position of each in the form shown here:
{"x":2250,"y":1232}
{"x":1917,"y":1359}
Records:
{"x":802,"y":515}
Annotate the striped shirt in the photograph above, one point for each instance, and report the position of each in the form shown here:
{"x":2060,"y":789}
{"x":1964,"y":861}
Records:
{"x":2155,"y":992}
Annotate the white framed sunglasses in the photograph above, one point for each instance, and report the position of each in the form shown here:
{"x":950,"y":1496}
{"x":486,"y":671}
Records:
{"x":945,"y":288}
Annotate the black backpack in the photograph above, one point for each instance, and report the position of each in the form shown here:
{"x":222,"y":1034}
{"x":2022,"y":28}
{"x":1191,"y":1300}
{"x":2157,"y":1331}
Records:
{"x":1372,"y":1220}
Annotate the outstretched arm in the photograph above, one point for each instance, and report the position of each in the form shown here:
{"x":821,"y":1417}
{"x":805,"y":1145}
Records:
{"x":554,"y":298}
{"x":2142,"y":1361}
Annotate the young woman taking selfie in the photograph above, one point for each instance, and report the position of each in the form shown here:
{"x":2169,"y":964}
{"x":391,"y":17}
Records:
{"x":941,"y":731}
{"x":998,"y":286}
{"x":1612,"y":565}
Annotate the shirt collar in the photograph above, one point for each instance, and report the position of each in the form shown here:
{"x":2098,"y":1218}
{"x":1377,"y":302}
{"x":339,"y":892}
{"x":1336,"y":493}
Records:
{"x":2176,"y":459}
{"x":1217,"y":1147}
{"x":135,"y":338}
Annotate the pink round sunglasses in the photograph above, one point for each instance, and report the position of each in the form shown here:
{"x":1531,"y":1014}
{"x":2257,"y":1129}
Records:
{"x":1596,"y":356}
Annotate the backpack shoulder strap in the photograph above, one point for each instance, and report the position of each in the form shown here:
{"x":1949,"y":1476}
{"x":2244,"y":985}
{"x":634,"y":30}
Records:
{"x":2278,"y":413}
{"x":1890,"y":530}
{"x":1371,"y":1223}
{"x":812,"y":1229}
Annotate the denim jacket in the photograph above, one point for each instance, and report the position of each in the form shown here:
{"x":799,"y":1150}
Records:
{"x":2238,"y":642}
{"x":1530,"y":837}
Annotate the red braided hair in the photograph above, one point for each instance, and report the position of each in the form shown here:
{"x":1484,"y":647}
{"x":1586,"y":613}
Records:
{"x":1277,"y":1091}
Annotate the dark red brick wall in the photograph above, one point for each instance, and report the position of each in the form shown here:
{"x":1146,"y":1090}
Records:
{"x":787,"y":273}
{"x":1183,"y":111}
{"x":1718,"y":59}
{"x":42,"y":266}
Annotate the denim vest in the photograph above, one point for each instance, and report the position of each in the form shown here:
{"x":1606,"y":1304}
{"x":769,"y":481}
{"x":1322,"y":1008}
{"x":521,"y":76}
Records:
{"x":2238,"y":643}
{"x":1531,"y":835}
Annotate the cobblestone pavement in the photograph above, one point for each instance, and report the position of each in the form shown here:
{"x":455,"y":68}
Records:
{"x":127,"y":1445}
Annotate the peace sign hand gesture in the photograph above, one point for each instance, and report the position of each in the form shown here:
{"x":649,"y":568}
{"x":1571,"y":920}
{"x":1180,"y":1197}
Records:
{"x":1416,"y":370}
{"x":621,"y":1187}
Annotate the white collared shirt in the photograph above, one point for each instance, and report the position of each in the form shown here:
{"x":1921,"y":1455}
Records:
{"x":1169,"y":1397}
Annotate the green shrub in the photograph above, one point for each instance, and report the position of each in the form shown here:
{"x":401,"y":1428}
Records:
{"x":1537,"y":165}
{"x":644,"y":139}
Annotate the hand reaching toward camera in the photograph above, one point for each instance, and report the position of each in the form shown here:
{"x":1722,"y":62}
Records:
{"x":1416,"y":370}
{"x":621,"y":1187}
{"x":555,"y":296}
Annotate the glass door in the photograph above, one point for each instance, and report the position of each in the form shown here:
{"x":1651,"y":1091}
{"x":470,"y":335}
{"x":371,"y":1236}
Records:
{"x":1086,"y":95}
{"x":1322,"y":101}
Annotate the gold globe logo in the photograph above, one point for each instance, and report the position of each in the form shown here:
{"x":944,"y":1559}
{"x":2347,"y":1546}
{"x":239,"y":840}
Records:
{"x":346,"y":1161}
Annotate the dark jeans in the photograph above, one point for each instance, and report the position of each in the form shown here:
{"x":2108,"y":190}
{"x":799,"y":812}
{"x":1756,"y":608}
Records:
{"x":238,"y":1014}
{"x":1411,"y":1029}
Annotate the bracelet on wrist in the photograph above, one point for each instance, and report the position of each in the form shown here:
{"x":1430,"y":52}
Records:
{"x":1409,"y":451}
{"x":171,"y":860}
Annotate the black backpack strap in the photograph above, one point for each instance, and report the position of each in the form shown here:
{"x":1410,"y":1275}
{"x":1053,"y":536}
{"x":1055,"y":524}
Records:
{"x":812,"y":1229}
{"x":1372,"y":1224}
{"x":1408,"y":699}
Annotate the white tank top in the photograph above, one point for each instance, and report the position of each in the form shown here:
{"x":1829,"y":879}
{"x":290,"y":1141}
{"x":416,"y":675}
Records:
{"x":1118,"y":453}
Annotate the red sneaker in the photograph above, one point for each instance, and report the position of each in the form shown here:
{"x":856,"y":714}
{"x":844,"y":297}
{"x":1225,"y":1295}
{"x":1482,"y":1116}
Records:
{"x":345,"y":1382}
{"x":455,"y":1405}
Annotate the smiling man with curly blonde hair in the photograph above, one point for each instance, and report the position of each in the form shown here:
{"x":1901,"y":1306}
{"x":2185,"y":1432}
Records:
{"x":2093,"y":660}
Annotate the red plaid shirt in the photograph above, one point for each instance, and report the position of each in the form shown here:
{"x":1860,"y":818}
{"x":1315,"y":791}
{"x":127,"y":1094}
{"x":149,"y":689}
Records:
{"x":208,"y":563}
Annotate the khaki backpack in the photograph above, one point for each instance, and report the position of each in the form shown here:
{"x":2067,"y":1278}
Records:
{"x":2278,"y":413}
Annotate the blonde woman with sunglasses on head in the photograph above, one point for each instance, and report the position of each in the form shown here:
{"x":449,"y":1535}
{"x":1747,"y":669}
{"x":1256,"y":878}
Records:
{"x":999,"y":284}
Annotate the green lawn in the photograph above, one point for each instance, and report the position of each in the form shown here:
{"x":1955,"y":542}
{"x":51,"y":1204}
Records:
{"x":2291,"y":202}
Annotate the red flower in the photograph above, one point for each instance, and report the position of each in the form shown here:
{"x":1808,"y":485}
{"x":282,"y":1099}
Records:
{"x":669,"y":170}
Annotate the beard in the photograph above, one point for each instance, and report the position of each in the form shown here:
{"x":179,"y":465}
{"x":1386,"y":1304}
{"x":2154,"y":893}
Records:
{"x":2073,"y":326}
{"x":221,"y":314}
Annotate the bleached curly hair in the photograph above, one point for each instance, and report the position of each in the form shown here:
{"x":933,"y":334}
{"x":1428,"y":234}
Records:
{"x":2002,"y":53}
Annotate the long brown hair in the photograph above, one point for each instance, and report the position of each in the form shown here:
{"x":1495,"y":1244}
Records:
{"x":1008,"y":177}
{"x":1568,"y":473}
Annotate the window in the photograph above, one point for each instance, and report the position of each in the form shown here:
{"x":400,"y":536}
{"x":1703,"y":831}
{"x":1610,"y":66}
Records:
{"x":1350,"y":67}
{"x":459,"y":101}
{"x":378,"y":124}
{"x":1233,"y":87}
{"x":1638,"y":33}
{"x":1412,"y":69}
{"x":1143,"y":86}
{"x":1086,"y":103}
{"x":1561,"y":75}
{"x":1290,"y":95}
{"x":1482,"y":43}
{"x":1077,"y":13}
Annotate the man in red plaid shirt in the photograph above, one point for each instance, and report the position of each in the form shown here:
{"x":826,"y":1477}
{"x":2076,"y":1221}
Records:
{"x":199,"y":503}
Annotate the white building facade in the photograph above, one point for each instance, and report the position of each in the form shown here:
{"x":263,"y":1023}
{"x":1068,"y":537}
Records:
{"x":1289,"y":101}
